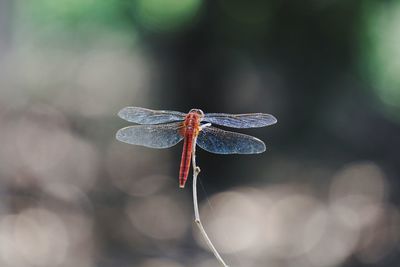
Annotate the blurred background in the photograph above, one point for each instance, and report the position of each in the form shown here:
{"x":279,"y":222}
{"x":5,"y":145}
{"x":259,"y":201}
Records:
{"x":326,"y":192}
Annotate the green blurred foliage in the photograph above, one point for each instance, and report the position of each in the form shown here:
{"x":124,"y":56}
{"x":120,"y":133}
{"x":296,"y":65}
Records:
{"x":166,"y":15}
{"x":84,"y":20}
{"x":89,"y":20}
{"x":380,"y":49}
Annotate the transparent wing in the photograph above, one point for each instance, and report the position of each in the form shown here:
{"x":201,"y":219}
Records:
{"x":154,"y":136}
{"x":251,"y":120}
{"x":149,"y":116}
{"x":218,"y":141}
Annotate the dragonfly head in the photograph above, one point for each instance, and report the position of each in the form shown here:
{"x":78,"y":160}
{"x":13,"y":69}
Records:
{"x":197,"y":111}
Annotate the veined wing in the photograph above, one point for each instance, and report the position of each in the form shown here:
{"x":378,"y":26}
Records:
{"x":149,"y":116}
{"x":218,"y":141}
{"x":250,"y":120}
{"x":154,"y":136}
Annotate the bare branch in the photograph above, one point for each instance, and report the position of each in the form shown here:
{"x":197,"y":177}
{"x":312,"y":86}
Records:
{"x":196,"y":171}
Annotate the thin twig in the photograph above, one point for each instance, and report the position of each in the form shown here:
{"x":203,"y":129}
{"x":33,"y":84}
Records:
{"x":196,"y":171}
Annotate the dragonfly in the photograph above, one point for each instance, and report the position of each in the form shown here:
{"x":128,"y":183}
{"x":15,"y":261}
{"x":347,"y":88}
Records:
{"x":164,"y":129}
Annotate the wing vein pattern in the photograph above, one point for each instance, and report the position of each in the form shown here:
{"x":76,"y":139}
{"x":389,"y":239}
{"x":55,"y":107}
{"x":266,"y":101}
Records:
{"x":154,"y":136}
{"x":218,"y":141}
{"x":250,"y":120}
{"x":149,"y":116}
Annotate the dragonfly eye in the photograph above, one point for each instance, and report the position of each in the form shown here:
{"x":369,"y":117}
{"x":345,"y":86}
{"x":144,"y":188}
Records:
{"x":198,"y":111}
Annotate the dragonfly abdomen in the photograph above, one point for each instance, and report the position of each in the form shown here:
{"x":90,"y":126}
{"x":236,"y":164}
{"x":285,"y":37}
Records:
{"x":190,"y":131}
{"x":185,"y":161}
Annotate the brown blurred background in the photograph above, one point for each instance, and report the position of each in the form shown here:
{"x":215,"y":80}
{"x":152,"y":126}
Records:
{"x":326,"y":192}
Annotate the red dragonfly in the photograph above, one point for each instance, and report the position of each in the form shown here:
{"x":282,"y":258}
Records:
{"x":163,"y":129}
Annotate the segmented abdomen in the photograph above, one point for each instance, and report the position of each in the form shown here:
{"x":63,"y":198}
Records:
{"x":185,"y":160}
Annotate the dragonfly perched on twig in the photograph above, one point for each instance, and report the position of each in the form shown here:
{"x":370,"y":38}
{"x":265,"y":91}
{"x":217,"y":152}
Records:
{"x":163,"y":129}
